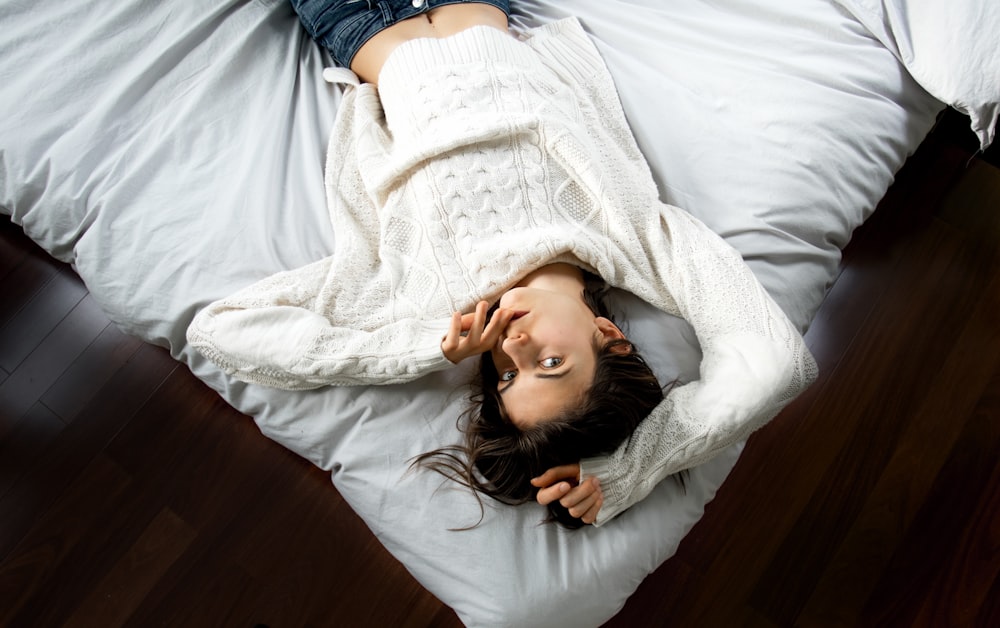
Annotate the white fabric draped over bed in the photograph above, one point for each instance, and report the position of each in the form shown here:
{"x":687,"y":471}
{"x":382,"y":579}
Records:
{"x":173,"y":152}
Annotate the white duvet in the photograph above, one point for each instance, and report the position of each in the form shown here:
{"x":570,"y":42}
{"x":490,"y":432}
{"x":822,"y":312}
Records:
{"x":173,"y":153}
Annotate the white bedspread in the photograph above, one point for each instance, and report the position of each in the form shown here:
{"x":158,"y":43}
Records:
{"x":173,"y":152}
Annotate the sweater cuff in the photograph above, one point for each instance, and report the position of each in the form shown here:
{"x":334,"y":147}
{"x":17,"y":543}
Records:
{"x":427,"y":355}
{"x":600,"y":468}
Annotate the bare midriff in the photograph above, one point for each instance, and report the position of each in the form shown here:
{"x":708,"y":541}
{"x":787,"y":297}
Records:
{"x":438,"y":22}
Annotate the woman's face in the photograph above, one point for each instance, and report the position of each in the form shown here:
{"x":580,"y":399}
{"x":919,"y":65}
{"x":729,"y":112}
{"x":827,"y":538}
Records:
{"x":546,"y":356}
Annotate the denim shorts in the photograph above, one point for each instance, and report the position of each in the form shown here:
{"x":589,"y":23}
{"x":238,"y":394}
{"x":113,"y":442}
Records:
{"x":343,"y":26}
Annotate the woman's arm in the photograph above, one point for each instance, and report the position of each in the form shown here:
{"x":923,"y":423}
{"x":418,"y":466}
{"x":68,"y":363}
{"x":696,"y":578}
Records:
{"x":754,"y":361}
{"x":271,"y":334}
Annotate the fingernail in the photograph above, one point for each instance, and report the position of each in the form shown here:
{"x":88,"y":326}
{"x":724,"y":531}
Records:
{"x":564,"y":487}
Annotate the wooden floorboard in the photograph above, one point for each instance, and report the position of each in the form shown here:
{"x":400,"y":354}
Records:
{"x":131,"y":495}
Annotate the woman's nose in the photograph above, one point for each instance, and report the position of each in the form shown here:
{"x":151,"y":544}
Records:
{"x":516,"y":344}
{"x":513,"y":340}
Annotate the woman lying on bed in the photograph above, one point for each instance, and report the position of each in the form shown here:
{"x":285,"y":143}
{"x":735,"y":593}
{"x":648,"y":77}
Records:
{"x":487,"y":170}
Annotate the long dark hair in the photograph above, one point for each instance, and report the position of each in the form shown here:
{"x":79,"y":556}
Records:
{"x":498,"y":458}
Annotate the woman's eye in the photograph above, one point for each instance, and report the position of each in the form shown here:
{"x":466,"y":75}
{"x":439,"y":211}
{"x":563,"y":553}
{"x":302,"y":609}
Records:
{"x":506,"y":376}
{"x":551,"y":363}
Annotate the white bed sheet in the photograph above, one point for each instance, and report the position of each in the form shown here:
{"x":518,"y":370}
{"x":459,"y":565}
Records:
{"x":173,"y":153}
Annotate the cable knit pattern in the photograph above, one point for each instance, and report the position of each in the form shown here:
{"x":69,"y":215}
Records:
{"x":478,"y":159}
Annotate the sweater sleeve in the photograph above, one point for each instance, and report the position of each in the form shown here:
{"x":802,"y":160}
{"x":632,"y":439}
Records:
{"x":270,"y":334}
{"x":754,"y":361}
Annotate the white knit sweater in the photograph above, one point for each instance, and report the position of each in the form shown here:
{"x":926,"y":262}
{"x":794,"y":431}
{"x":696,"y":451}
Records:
{"x":478,"y":159}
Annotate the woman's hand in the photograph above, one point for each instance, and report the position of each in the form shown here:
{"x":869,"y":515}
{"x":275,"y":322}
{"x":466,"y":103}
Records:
{"x":471,"y":335}
{"x":583,"y":501}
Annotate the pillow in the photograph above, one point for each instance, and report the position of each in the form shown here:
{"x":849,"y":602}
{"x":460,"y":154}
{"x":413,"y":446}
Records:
{"x":951,"y":48}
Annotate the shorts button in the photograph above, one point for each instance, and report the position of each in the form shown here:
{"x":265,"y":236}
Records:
{"x":417,"y":3}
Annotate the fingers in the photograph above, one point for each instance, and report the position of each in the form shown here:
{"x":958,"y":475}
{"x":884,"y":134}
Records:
{"x":491,"y":334}
{"x":480,"y":334}
{"x":590,"y":516}
{"x":465,"y":334}
{"x":585,"y":501}
{"x":474,"y":323}
{"x":552,"y":493}
{"x":552,"y":485}
{"x":562,"y":472}
{"x":452,"y":341}
{"x":470,"y":334}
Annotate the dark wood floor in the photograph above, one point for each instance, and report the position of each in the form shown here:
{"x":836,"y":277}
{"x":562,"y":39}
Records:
{"x":131,"y":495}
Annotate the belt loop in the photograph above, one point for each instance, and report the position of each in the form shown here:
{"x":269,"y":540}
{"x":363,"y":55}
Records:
{"x":386,"y":12}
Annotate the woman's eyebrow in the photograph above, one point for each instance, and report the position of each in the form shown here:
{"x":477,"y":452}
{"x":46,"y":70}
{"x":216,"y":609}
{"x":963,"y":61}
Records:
{"x":558,"y":375}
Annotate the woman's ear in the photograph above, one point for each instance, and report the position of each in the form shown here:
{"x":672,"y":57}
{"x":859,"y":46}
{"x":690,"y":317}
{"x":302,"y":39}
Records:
{"x":609,"y":331}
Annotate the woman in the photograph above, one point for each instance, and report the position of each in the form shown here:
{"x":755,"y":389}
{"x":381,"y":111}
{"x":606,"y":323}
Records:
{"x":483,"y":169}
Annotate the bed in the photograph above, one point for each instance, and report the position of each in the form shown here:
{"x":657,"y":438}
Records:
{"x":173,"y":152}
